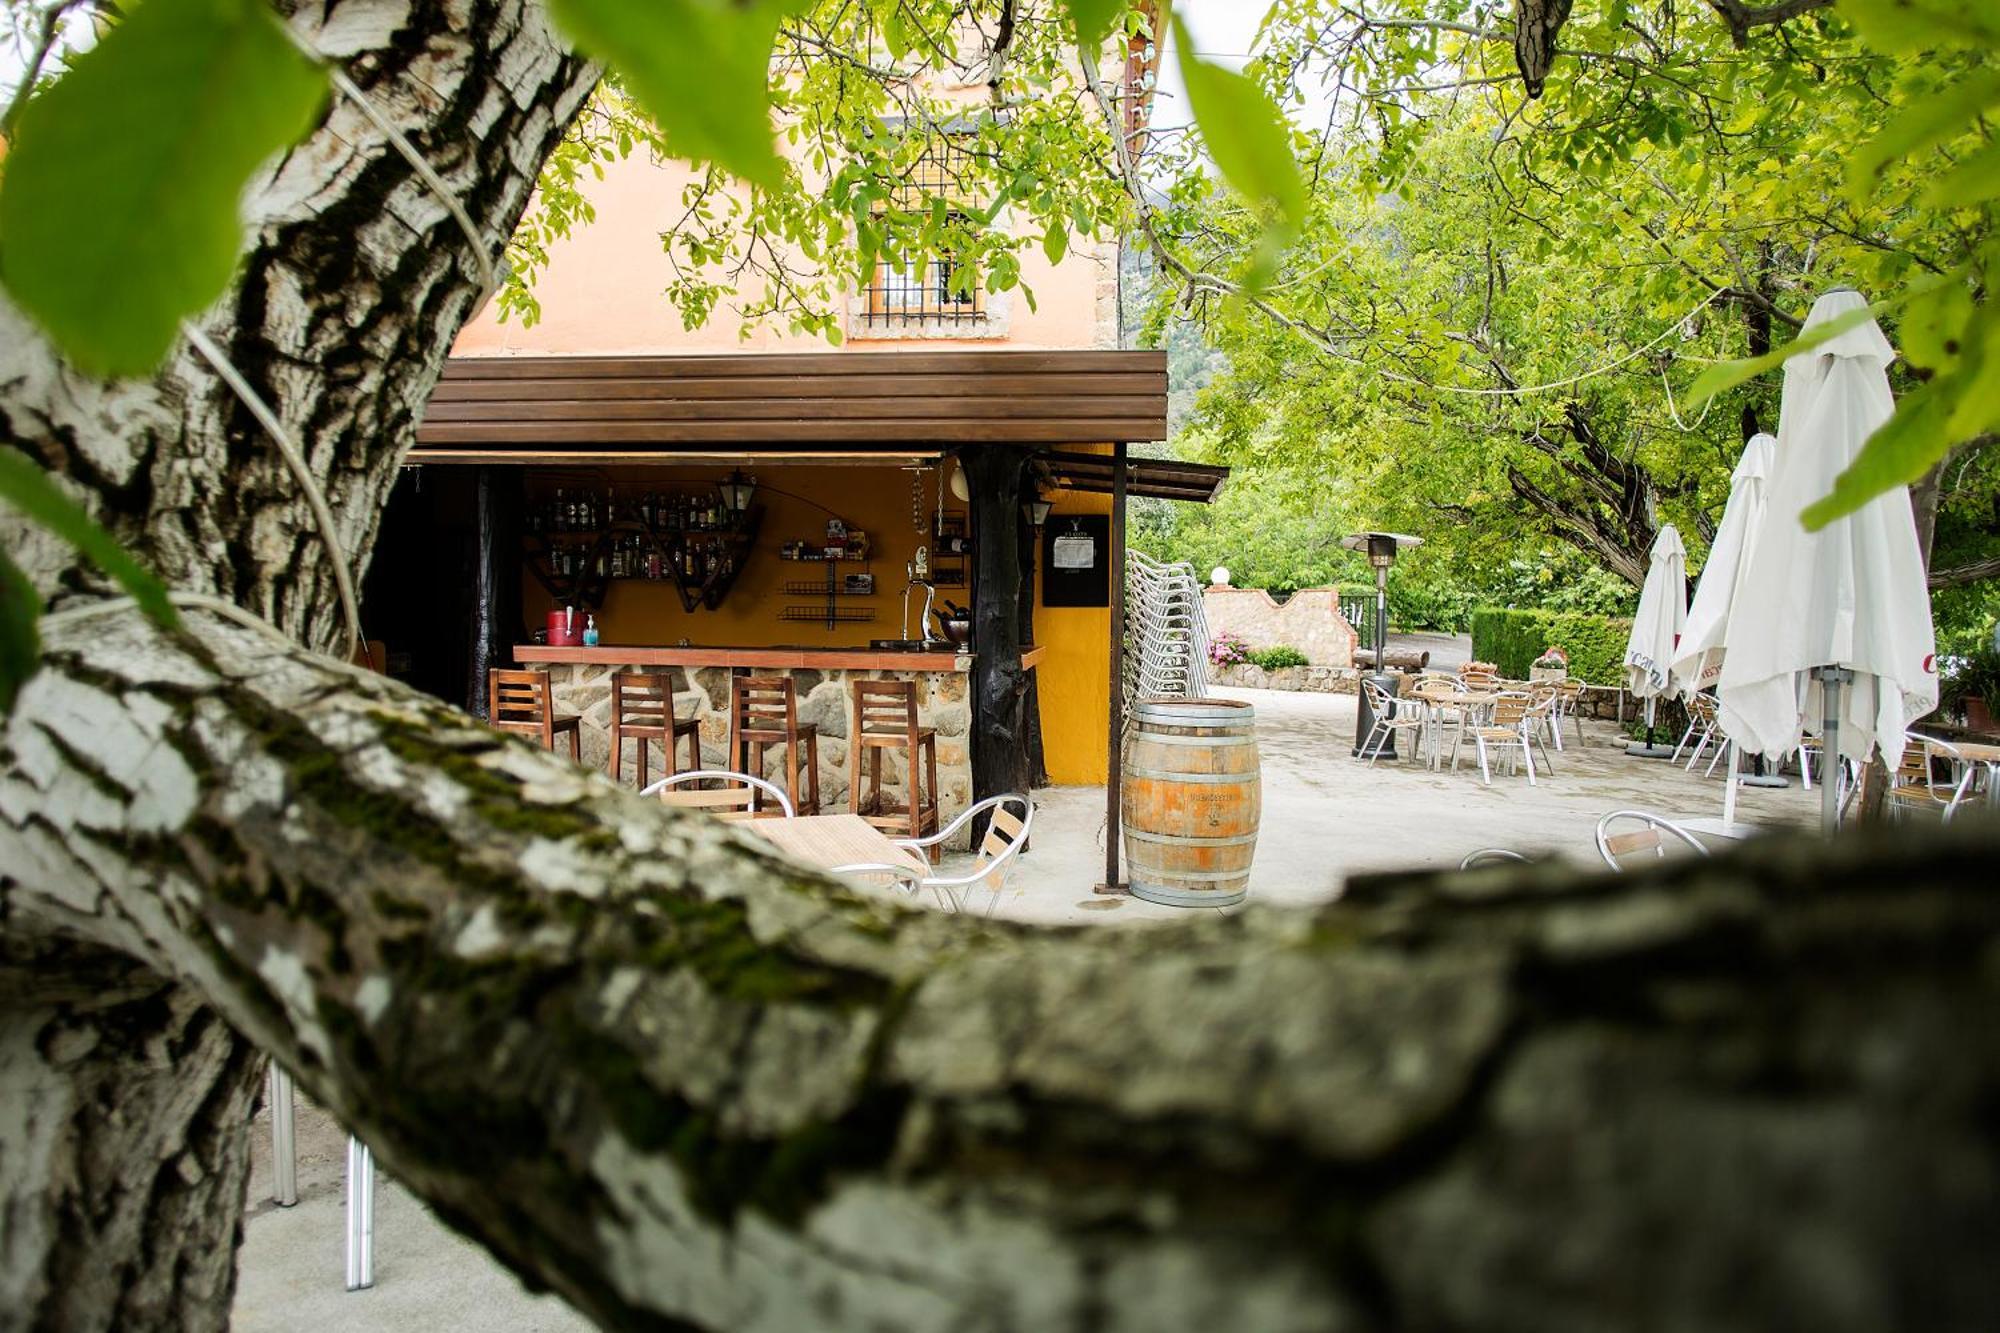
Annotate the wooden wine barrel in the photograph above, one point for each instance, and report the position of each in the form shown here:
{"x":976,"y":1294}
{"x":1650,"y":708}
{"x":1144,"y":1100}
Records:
{"x":1192,"y":800}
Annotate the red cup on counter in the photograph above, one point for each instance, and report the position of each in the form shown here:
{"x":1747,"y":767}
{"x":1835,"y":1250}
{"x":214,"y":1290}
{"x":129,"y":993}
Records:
{"x":565,"y":629}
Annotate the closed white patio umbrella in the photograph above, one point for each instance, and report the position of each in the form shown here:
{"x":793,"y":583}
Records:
{"x":1831,"y":627}
{"x":1697,"y":662}
{"x":1656,"y":630}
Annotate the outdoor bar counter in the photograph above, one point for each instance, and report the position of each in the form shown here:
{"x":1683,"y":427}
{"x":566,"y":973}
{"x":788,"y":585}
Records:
{"x":823,"y":677}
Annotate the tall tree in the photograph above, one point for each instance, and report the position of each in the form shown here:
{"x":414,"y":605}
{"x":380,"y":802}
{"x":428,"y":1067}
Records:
{"x":687,"y":1084}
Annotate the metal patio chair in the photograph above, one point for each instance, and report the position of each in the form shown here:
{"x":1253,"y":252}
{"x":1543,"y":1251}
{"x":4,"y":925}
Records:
{"x":735,"y":800}
{"x":1490,"y":856}
{"x":1914,"y":788}
{"x":1516,"y":716}
{"x":1652,"y":835}
{"x":1006,"y":836}
{"x":1389,"y":720}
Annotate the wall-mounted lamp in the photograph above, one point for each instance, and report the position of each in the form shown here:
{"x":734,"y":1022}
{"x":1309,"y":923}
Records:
{"x":736,"y":490}
{"x":1036,"y":511}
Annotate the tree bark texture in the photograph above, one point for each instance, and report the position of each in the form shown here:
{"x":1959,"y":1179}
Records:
{"x":686,"y":1084}
{"x":123,"y":1157}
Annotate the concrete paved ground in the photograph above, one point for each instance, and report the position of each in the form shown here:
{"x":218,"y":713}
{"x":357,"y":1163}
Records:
{"x":1326,"y":816}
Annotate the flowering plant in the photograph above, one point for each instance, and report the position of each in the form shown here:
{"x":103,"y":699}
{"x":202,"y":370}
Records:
{"x":1227,"y":649}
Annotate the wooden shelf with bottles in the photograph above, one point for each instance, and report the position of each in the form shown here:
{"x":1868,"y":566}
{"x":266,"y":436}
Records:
{"x":577,"y":566}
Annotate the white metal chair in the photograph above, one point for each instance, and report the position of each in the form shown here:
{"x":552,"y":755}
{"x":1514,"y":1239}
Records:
{"x":1388,"y":719}
{"x":1006,"y":836}
{"x":1490,"y":856}
{"x":1914,"y":788}
{"x":1651,"y":836}
{"x":1515,"y":717}
{"x":1702,"y":718}
{"x":735,"y":800}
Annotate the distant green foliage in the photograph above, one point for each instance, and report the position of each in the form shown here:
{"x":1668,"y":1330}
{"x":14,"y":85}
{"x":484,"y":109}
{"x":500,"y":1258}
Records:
{"x":1279,"y":657}
{"x":1512,"y":640}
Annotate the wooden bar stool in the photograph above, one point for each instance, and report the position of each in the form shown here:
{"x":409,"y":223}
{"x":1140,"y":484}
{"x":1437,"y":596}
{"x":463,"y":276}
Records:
{"x":520,"y":701}
{"x":642,"y":708}
{"x":764,"y":711}
{"x":885,"y":718}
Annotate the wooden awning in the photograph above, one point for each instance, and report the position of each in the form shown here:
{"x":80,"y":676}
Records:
{"x":1161,"y":478}
{"x":581,"y":406}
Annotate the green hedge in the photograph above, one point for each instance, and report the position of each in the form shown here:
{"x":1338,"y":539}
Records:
{"x":1512,"y":640}
{"x":1278,"y":658}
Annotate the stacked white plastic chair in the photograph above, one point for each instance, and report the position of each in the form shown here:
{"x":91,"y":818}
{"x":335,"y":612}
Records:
{"x":1166,"y":631}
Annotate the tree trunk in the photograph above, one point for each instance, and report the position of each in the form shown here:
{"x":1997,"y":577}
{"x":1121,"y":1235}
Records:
{"x":687,"y":1084}
{"x":123,"y":1158}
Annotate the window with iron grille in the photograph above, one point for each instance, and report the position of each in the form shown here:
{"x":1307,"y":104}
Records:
{"x":940,"y":290}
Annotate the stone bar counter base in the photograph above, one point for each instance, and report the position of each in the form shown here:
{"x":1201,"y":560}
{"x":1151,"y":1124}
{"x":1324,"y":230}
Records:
{"x":825,"y":701}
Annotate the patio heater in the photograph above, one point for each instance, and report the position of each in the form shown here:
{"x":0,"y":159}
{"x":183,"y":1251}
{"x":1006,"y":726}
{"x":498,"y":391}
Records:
{"x":1381,"y":548}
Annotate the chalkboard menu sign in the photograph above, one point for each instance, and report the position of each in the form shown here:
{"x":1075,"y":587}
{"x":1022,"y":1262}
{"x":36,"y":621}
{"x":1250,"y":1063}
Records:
{"x":1076,"y":560}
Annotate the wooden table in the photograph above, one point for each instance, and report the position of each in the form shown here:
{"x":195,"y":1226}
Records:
{"x":1987,"y":757}
{"x":835,"y":840}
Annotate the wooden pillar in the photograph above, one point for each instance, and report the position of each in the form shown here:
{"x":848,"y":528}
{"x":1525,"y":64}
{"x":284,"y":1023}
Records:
{"x":496,"y":578}
{"x":1115,"y":732}
{"x":1030,"y":552}
{"x":999,"y":730}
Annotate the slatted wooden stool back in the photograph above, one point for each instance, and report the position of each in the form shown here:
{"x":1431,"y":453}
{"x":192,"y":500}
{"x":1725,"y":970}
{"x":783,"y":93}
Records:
{"x":642,"y":710}
{"x":764,"y":711}
{"x":520,"y":701}
{"x":885,"y":718}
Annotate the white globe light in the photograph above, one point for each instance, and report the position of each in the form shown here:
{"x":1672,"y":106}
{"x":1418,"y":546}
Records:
{"x":1219,"y":576}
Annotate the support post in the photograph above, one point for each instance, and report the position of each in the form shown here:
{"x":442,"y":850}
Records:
{"x":496,"y":566}
{"x":1115,"y":731}
{"x":999,"y":687}
{"x":284,"y":1144}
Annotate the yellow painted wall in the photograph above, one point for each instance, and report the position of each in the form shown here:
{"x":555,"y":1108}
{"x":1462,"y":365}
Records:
{"x":876,"y":499}
{"x":1075,"y":663}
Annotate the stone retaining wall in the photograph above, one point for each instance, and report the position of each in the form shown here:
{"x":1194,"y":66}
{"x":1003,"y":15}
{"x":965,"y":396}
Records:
{"x":1309,"y":620}
{"x":825,"y":701}
{"x":1305,"y":679}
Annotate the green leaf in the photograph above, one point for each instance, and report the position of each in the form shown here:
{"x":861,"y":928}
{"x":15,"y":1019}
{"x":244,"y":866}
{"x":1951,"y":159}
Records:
{"x":701,"y":68}
{"x":119,"y":205}
{"x":1922,"y":123}
{"x":20,"y":645}
{"x":1725,"y":375}
{"x":1923,"y":25}
{"x":1093,"y":19}
{"x":1974,"y":180}
{"x":1251,"y":145}
{"x":29,"y":490}
{"x":1055,"y":244}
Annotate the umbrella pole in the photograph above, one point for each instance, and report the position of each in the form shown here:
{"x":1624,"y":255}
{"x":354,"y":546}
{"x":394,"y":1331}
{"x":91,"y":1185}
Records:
{"x":1729,"y":786}
{"x":1831,"y":678}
